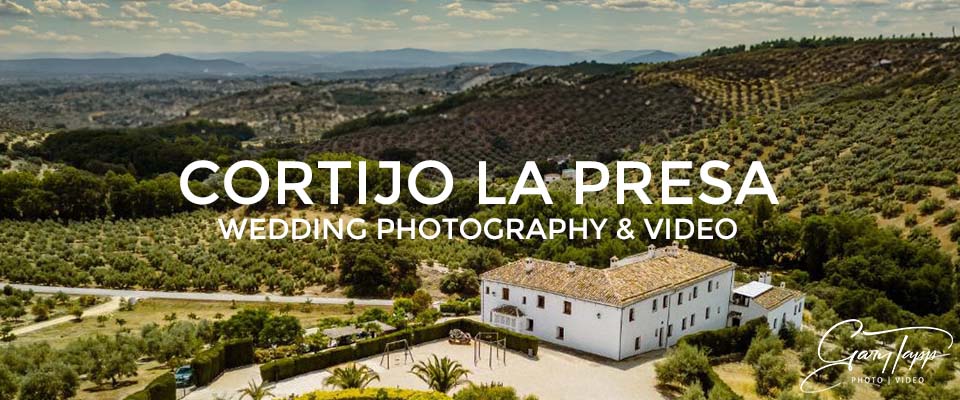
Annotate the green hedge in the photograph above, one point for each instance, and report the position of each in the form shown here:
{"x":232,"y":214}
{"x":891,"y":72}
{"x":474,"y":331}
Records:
{"x":209,"y":364}
{"x":164,"y":387}
{"x":290,"y":367}
{"x":726,"y":341}
{"x":374,"y":394}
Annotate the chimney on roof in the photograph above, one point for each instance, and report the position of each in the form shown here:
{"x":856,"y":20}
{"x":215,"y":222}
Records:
{"x":766,"y":277}
{"x":783,"y":284}
{"x":528,"y":265}
{"x":613,"y":261}
{"x":571,"y":266}
{"x":673,"y":250}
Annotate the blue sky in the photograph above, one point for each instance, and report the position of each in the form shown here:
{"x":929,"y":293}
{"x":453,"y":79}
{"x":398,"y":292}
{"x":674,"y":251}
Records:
{"x":150,"y":27}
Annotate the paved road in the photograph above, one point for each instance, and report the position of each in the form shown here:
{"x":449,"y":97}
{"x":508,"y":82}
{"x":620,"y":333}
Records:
{"x":148,"y":294}
{"x":99,"y":309}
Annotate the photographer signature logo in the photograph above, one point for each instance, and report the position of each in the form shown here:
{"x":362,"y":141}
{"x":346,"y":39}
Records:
{"x":891,"y":359}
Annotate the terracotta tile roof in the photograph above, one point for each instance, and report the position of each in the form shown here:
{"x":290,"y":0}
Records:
{"x":617,"y":286}
{"x":773,"y":298}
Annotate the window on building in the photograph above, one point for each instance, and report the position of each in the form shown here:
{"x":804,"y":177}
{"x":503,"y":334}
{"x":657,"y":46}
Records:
{"x":680,"y":298}
{"x":709,"y":286}
{"x":541,"y":301}
{"x":666,"y":301}
{"x":683,"y":326}
{"x":669,"y":330}
{"x":560,"y":333}
{"x":505,"y":294}
{"x":694,"y":292}
{"x":631,"y":315}
{"x":693,"y":319}
{"x":654,"y":305}
{"x":774,"y":324}
{"x":636,"y":343}
{"x":487,"y":290}
{"x":529,"y":324}
{"x":567,"y":307}
{"x":706,"y":315}
{"x":524,"y":299}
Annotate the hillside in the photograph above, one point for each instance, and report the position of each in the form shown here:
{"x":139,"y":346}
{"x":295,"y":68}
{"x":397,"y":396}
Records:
{"x":303,"y":111}
{"x":164,"y":64}
{"x":858,"y":138}
{"x":587,"y":108}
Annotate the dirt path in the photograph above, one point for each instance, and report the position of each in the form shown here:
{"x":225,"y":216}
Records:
{"x":100,"y":309}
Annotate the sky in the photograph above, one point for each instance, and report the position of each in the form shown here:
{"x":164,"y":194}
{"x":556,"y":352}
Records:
{"x":183,"y":26}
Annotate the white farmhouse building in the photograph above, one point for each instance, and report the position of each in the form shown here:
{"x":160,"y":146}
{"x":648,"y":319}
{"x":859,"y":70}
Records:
{"x":641,"y":303}
{"x":761,"y":299}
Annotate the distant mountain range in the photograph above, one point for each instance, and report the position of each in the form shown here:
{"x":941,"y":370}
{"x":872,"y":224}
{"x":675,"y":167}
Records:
{"x":304,"y":63}
{"x":308,"y":62}
{"x":164,"y":64}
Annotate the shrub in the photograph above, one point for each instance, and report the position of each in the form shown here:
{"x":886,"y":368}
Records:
{"x":491,"y":391}
{"x":684,"y":365}
{"x":772,"y":374}
{"x":910,"y":220}
{"x":946,"y":217}
{"x":164,"y":387}
{"x":374,"y":394}
{"x":726,"y":341}
{"x":955,"y":232}
{"x":953,"y":192}
{"x":930,"y":205}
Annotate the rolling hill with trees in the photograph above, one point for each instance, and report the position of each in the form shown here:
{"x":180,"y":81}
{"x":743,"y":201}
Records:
{"x":586,"y":109}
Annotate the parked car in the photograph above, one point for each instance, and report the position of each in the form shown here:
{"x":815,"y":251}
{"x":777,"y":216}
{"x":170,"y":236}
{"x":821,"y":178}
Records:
{"x":184,"y":376}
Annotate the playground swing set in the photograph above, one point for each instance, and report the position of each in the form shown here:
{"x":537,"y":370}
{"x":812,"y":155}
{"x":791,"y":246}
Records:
{"x":393,"y":347}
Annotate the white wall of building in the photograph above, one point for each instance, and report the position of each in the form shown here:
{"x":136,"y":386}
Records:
{"x":590,"y":327}
{"x":791,"y":309}
{"x":647,"y":323}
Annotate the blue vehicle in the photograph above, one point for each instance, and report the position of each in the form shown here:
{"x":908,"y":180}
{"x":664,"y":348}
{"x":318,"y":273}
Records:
{"x":184,"y":376}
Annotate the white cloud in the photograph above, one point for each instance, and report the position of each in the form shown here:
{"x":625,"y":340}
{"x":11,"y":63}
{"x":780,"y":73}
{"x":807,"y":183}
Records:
{"x":929,"y":5}
{"x":456,"y":9}
{"x":275,"y":13}
{"x":373,"y":24}
{"x":48,"y":36}
{"x":760,"y":7}
{"x":194,"y":27}
{"x":551,"y":7}
{"x":170,"y":31}
{"x":232,"y":8}
{"x":503,"y":9}
{"x":4,"y":32}
{"x":9,"y":7}
{"x":75,"y":9}
{"x":326,"y":24}
{"x":124,"y":24}
{"x":273,"y":24}
{"x":402,"y":12}
{"x":420,"y":19}
{"x":137,"y":10}
{"x":640,"y":5}
{"x":434,"y":27}
{"x":23,"y":29}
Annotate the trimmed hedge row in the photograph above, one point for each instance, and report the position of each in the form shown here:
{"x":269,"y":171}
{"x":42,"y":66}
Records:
{"x":722,"y":342}
{"x":209,"y":364}
{"x":164,"y":387}
{"x":374,"y":394}
{"x":289,"y":367}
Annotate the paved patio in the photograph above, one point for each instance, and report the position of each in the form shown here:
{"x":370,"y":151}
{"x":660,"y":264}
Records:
{"x":557,"y":374}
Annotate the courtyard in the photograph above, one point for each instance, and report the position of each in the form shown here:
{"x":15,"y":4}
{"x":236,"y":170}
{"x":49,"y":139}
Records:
{"x":556,"y":374}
